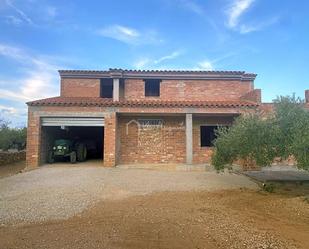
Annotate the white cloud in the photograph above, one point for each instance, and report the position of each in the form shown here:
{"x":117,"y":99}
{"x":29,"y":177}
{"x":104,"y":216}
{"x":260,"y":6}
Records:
{"x":144,"y":61}
{"x":12,"y":110}
{"x":192,"y":6}
{"x":171,"y":56}
{"x":234,"y":12}
{"x":10,"y":19}
{"x":205,"y":65}
{"x":23,"y":16}
{"x":39,"y":78}
{"x":129,"y":35}
{"x":121,"y":33}
{"x":11,"y":52}
{"x":141,"y":63}
{"x":51,"y":11}
{"x":237,"y":9}
{"x":247,"y":28}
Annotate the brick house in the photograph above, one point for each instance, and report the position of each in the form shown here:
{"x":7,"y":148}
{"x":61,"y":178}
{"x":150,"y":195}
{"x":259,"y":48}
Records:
{"x":141,"y":116}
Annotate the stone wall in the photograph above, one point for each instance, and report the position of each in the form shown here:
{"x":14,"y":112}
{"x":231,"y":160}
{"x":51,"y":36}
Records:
{"x":11,"y":157}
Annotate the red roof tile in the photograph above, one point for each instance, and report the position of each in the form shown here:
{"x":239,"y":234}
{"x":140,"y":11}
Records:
{"x":83,"y":101}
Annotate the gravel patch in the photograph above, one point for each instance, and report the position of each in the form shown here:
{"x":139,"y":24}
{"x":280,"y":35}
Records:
{"x":60,"y":192}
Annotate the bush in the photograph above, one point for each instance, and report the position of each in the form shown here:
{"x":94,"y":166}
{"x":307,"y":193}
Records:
{"x":293,"y":121}
{"x":12,"y":138}
{"x":249,"y":138}
{"x":261,"y":139}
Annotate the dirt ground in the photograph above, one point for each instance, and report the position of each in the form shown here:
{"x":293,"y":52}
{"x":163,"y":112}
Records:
{"x":12,"y":169}
{"x":194,"y":219}
{"x":57,"y":192}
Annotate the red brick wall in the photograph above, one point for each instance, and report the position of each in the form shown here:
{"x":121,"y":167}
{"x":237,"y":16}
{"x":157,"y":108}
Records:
{"x":115,"y":141}
{"x":203,"y":154}
{"x":80,"y":87}
{"x":33,"y":150}
{"x":110,"y":138}
{"x":191,"y":89}
{"x":169,"y":89}
{"x":164,"y":144}
{"x":266,"y":109}
{"x":254,"y":95}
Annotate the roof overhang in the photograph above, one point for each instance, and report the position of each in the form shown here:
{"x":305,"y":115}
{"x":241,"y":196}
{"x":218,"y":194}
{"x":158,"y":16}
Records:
{"x":159,"y":74}
{"x":101,"y":102}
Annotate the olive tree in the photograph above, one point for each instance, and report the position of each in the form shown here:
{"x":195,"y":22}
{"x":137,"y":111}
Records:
{"x":262,"y":139}
{"x":293,"y":121}
{"x":11,"y":137}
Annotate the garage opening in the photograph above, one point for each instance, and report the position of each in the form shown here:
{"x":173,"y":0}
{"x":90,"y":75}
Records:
{"x":72,"y":139}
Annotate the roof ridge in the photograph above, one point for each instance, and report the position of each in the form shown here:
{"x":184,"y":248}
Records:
{"x":180,"y":71}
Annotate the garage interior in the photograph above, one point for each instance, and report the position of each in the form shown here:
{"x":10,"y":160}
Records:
{"x":92,"y":136}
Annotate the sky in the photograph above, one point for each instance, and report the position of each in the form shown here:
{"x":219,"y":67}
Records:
{"x":39,"y":37}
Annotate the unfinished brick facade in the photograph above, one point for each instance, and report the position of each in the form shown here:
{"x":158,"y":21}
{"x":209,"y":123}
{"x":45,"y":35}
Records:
{"x":182,"y":90}
{"x":159,"y":144}
{"x":187,"y":101}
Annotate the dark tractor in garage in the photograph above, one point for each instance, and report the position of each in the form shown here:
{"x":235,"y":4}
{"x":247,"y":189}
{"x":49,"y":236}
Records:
{"x":75,"y":150}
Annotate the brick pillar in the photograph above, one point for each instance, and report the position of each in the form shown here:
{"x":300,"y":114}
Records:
{"x":33,"y":140}
{"x":110,"y":137}
{"x":189,"y":147}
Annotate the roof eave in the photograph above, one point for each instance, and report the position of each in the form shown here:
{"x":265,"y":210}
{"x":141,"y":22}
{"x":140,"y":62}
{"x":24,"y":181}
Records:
{"x":143,"y":74}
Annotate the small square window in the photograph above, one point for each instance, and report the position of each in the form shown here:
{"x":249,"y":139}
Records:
{"x":152,"y":88}
{"x":208,"y":135}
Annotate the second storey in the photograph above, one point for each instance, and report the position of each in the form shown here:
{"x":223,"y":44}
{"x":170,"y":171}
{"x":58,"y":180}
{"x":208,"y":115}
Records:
{"x":118,"y":84}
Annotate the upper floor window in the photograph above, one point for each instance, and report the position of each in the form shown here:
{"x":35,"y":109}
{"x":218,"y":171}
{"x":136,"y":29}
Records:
{"x":106,"y":86}
{"x":152,"y":87}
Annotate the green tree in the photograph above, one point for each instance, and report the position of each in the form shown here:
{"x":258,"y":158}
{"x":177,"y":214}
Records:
{"x":12,"y":137}
{"x":293,"y":121}
{"x":261,"y":139}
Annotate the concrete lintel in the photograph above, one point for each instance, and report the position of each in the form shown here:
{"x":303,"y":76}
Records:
{"x":69,"y":114}
{"x":189,"y":138}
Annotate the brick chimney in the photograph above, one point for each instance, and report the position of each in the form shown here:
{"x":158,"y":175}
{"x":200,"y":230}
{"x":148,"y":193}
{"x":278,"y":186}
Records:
{"x":307,"y":96}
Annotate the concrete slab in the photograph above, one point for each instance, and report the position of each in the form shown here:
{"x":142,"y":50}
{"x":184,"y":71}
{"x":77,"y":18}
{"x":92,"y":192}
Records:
{"x":279,"y":175}
{"x":168,"y":167}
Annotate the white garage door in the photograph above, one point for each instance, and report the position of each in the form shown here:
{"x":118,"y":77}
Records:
{"x":72,"y":121}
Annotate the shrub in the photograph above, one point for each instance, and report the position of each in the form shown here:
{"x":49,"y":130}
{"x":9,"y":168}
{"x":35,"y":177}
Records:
{"x":12,"y":138}
{"x":261,"y":139}
{"x":293,"y":121}
{"x":249,"y":138}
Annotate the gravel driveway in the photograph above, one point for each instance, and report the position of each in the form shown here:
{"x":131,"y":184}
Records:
{"x":59,"y":192}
